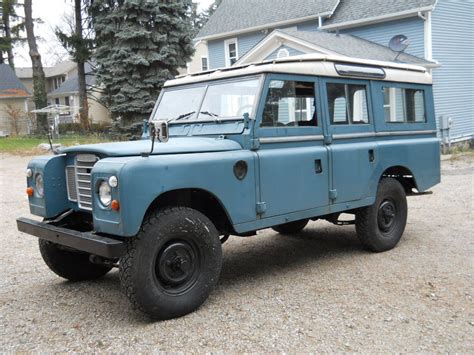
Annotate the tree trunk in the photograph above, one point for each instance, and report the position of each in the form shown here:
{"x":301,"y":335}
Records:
{"x":39,"y":81}
{"x":7,"y":8}
{"x":81,"y":73}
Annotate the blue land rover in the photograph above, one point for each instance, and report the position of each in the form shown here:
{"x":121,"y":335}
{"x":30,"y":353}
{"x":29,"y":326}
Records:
{"x":231,"y":152}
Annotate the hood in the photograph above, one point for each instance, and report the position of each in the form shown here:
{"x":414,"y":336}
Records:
{"x":177,"y":145}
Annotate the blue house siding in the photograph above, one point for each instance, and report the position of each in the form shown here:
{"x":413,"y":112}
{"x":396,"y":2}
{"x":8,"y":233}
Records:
{"x":292,"y":52}
{"x":381,"y":33}
{"x":453,"y":48}
{"x":244,"y":43}
{"x":216,"y":52}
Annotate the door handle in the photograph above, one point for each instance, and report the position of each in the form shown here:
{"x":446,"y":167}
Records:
{"x":318,"y":166}
{"x":371,"y":155}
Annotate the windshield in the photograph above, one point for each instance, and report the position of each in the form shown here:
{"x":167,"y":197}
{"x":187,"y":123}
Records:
{"x":209,"y":101}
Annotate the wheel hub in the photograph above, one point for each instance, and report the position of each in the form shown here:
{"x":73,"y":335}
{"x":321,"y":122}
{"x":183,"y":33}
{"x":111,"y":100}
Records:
{"x":386,"y":215}
{"x":176,"y":264}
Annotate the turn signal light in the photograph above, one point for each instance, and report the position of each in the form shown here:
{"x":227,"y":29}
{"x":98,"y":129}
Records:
{"x":115,"y":205}
{"x":30,"y":191}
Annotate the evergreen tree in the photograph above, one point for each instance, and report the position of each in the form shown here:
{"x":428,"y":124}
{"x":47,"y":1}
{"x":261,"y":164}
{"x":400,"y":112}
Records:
{"x":139,"y":45}
{"x":80,"y":46}
{"x":200,"y":19}
{"x":10,"y":30}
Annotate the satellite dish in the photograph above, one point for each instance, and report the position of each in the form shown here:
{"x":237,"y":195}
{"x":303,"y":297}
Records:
{"x":399,"y":44}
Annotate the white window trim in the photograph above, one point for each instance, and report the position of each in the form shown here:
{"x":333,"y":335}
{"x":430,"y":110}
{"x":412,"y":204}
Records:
{"x":227,"y":54}
{"x":392,"y":104}
{"x":207,"y":59}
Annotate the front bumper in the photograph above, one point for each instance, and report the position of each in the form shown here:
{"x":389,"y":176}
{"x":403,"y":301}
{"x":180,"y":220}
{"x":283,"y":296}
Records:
{"x":87,"y":242}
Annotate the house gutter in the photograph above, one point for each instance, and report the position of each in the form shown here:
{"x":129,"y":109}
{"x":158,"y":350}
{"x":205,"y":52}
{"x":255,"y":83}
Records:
{"x":377,"y":19}
{"x":265,"y":26}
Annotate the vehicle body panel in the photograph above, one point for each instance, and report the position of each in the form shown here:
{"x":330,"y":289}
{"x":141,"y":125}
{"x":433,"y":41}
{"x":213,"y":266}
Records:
{"x":142,"y":180}
{"x":293,"y":172}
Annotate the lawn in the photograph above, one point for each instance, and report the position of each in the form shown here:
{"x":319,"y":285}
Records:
{"x":29,"y":145}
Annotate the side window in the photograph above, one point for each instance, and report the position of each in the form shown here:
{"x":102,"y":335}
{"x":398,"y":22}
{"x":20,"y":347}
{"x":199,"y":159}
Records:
{"x":404,"y":105}
{"x":204,"y":63}
{"x":347,"y":103}
{"x":231,"y":52}
{"x":289,"y":104}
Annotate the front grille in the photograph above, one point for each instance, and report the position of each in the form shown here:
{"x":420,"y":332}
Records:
{"x":71,"y":183}
{"x":79,"y":180}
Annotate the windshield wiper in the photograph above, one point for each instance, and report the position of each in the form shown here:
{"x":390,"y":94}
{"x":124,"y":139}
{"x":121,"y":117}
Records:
{"x":207,"y":113}
{"x":183,"y":116}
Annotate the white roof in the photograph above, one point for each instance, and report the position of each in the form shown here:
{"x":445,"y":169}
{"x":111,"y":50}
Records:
{"x":311,"y":64}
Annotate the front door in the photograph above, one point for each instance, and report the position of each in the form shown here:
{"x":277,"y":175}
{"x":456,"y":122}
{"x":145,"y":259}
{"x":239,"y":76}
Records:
{"x":292,"y":156}
{"x":351,"y":138}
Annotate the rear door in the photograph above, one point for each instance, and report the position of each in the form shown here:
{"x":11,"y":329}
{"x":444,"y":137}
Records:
{"x":351,"y":138}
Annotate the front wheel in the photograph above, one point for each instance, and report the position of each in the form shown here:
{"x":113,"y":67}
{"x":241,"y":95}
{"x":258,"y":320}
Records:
{"x":173,"y":264}
{"x":380,"y":226}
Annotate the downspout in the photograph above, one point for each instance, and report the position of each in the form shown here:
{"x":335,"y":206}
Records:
{"x":428,"y":37}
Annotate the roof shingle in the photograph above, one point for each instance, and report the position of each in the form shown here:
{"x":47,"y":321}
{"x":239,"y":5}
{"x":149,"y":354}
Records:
{"x":236,"y":15}
{"x":355,"y":10}
{"x":10,"y":85}
{"x":353,"y":46}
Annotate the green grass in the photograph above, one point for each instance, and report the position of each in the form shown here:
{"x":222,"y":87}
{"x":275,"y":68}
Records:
{"x":27,"y":145}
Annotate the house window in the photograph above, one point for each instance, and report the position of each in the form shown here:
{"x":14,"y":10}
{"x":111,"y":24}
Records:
{"x":66,"y":100}
{"x":231,"y":52}
{"x":204,"y":63}
{"x":283,"y":53}
{"x":289,"y":104}
{"x":56,"y":101}
{"x":404,"y":105}
{"x":347,"y":103}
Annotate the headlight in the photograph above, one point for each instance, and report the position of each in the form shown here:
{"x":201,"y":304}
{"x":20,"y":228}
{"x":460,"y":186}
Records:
{"x":113,"y":182}
{"x":105,"y":195}
{"x":39,"y":183}
{"x":29,"y":173}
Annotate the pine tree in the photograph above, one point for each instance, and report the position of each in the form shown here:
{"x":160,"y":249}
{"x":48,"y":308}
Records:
{"x":80,"y":46}
{"x":201,"y":18}
{"x":10,"y":30}
{"x":139,"y":45}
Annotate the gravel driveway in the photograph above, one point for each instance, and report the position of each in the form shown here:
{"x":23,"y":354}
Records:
{"x":318,"y":291}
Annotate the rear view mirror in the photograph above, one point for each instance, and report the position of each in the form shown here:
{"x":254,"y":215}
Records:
{"x":162,"y":131}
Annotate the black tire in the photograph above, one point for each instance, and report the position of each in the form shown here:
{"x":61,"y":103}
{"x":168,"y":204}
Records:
{"x":71,"y":265}
{"x":291,"y":227}
{"x":173,"y":264}
{"x":380,"y":226}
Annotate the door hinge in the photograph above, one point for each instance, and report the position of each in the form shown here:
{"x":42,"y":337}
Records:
{"x":333,"y":194}
{"x":255,"y":143}
{"x":261,"y":207}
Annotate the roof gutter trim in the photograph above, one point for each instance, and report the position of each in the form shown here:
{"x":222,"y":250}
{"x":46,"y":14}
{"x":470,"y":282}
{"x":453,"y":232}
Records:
{"x":264,"y":27}
{"x":377,"y":19}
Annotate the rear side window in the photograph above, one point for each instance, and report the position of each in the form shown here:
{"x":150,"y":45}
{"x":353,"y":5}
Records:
{"x":404,"y":105}
{"x":347,"y":104}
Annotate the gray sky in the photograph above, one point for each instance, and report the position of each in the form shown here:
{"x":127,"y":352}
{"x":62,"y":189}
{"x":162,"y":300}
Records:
{"x":52,"y":13}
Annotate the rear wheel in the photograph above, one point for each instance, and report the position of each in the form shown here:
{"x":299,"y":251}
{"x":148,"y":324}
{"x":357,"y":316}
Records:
{"x":291,"y":227}
{"x":380,"y":226}
{"x":70,"y":264}
{"x":173,"y":264}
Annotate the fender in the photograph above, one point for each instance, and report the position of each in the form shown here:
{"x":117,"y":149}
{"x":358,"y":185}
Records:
{"x":142,"y":180}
